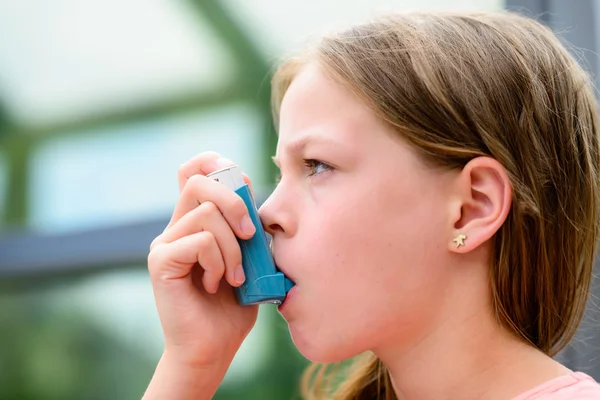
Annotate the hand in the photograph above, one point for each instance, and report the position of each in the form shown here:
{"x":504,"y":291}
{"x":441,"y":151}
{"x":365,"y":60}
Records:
{"x":194,"y":265}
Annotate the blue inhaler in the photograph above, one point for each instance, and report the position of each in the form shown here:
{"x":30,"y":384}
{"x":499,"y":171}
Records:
{"x":264,"y":284}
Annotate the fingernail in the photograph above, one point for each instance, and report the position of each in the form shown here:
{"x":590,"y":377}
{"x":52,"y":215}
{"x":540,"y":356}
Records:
{"x":223,"y":162}
{"x":247,"y":226}
{"x":239,"y":275}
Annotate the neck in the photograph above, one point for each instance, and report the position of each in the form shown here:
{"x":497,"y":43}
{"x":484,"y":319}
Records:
{"x":467,"y":356}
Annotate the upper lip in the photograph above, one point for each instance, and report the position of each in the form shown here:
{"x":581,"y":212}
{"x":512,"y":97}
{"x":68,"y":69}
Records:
{"x":278,"y":266}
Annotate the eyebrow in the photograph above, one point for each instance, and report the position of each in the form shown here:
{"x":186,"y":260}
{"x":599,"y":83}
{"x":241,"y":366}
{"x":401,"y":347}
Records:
{"x":298,"y":145}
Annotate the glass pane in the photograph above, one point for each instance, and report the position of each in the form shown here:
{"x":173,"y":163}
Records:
{"x":281,"y":25}
{"x":66,"y":58}
{"x":128,"y":173}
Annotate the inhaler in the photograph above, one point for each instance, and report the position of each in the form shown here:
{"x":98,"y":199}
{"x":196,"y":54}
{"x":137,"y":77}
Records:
{"x":264,"y":283}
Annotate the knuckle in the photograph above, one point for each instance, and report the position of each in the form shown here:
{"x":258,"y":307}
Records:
{"x":196,"y":162}
{"x":157,"y":240}
{"x":193,"y":186}
{"x":195,"y":181}
{"x":207,"y":209}
{"x":155,"y":258}
{"x":208,"y":155}
{"x":205,"y":241}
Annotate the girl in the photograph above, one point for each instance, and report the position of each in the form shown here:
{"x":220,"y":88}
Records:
{"x":437,"y":210}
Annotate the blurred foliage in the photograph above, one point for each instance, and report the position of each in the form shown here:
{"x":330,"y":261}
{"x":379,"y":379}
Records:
{"x":50,"y":352}
{"x":5,"y":120}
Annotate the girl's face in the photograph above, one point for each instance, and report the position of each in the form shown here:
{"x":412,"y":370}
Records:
{"x":359,"y":223}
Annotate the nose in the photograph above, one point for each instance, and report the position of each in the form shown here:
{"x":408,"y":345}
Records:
{"x":268,"y":218}
{"x":276,"y":214}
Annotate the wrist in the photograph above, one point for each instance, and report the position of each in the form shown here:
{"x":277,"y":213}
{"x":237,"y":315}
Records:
{"x":189,"y":360}
{"x":178,"y":379}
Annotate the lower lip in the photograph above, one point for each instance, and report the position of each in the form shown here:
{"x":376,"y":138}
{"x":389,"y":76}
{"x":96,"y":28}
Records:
{"x":288,"y":297}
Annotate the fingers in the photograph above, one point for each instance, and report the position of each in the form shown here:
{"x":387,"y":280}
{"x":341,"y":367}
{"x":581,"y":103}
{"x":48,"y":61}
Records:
{"x":171,"y":261}
{"x":201,"y":164}
{"x":203,"y":228}
{"x":207,"y":217}
{"x":200,"y":189}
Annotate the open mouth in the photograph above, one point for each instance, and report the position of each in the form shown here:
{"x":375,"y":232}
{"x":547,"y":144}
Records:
{"x":288,"y":298}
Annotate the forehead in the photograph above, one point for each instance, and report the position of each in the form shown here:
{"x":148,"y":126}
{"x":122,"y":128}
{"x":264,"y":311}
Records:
{"x":317,"y":105}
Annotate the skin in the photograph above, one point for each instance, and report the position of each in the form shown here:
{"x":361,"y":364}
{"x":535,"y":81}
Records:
{"x":366,"y":235}
{"x":365,"y":229}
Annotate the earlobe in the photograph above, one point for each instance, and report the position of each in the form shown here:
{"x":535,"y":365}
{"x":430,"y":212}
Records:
{"x":459,"y":240}
{"x":484,"y":197}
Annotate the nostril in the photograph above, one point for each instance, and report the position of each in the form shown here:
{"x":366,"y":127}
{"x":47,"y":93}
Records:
{"x":275,"y":228}
{"x":270,"y":229}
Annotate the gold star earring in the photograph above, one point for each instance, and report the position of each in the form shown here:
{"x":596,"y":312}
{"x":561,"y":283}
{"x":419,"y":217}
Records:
{"x":459,"y":239}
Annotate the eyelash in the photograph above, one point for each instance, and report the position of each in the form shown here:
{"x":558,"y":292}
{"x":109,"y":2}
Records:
{"x":310,"y":164}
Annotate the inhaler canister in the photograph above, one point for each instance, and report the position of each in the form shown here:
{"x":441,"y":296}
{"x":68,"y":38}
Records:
{"x":264,"y":283}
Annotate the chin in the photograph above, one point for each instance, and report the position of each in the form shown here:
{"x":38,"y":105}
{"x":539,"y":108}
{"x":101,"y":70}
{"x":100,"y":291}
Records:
{"x":323,"y":348}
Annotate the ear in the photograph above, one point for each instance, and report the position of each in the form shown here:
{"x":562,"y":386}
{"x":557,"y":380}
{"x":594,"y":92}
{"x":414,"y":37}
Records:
{"x":482,"y":202}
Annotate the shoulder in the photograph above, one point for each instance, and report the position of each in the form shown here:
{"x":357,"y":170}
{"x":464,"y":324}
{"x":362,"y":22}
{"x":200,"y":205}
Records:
{"x":574,"y":386}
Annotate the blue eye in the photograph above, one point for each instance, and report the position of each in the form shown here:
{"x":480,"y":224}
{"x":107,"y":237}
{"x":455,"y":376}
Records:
{"x":316,"y":167}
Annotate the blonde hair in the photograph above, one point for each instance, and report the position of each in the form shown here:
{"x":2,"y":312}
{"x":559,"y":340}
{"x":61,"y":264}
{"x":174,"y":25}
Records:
{"x":459,"y":86}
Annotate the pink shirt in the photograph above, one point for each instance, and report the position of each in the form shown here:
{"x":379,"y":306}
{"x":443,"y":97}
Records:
{"x":575,"y":386}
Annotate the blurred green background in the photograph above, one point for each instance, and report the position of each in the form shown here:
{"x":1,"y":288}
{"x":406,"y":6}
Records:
{"x":100,"y":102}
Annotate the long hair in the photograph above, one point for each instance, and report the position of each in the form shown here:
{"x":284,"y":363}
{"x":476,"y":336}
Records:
{"x":459,"y":86}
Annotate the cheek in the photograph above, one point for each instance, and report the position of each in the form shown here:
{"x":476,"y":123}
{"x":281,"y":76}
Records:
{"x":389,"y":241}
{"x":334,"y":278}
{"x":372,"y":267}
